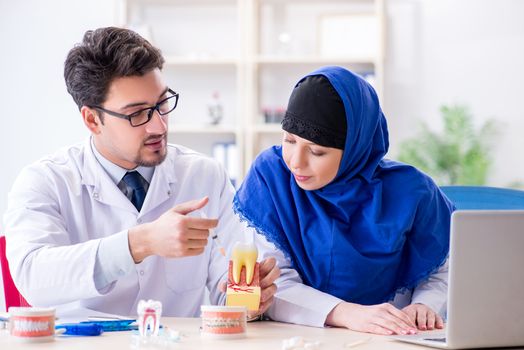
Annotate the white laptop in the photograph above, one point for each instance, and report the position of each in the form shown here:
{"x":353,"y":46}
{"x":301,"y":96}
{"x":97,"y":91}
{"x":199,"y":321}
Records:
{"x":486,"y":282}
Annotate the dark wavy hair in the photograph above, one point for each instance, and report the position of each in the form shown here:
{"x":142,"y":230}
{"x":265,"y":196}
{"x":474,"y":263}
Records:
{"x":103,"y":55}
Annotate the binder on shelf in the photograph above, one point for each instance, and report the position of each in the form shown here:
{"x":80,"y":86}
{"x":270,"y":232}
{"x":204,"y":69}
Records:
{"x":226,"y":153}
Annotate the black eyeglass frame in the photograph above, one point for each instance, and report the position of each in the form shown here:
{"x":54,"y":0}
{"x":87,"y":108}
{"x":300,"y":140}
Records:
{"x":150,"y":110}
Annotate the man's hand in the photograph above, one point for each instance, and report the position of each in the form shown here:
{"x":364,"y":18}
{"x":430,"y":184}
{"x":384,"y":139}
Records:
{"x":424,"y":317}
{"x":379,"y":319}
{"x":172,"y":235}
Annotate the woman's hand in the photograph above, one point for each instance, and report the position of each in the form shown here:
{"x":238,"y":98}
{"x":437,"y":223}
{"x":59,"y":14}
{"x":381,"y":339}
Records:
{"x":424,"y":317}
{"x":269,"y":272}
{"x":379,"y":319}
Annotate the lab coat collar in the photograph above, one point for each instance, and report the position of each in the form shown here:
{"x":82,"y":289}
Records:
{"x":162,"y":185}
{"x":103,"y":188}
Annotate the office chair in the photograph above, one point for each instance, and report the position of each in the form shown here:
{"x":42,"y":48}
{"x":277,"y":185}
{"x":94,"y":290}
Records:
{"x":484,"y":197}
{"x":11,"y":294}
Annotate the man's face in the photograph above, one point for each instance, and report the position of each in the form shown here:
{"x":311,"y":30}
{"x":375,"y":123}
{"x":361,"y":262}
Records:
{"x":123,"y":144}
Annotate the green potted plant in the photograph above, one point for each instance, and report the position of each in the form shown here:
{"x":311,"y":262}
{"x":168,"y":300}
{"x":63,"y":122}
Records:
{"x":459,"y":155}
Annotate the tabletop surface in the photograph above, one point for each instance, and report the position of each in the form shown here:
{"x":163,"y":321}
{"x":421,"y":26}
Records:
{"x":260,"y":335}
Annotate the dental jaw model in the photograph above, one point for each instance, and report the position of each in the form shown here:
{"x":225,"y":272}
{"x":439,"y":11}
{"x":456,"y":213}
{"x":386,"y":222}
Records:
{"x":243,"y":287}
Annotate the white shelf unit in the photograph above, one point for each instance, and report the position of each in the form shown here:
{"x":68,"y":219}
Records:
{"x":288,"y":41}
{"x":201,"y":44}
{"x":251,"y":52}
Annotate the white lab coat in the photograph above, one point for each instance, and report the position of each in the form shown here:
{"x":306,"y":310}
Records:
{"x":62,"y":207}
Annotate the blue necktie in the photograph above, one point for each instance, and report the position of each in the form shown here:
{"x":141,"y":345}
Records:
{"x":134,"y":180}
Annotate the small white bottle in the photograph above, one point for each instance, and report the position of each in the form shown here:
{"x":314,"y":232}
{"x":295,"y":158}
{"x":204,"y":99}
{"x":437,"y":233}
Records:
{"x":215,"y":109}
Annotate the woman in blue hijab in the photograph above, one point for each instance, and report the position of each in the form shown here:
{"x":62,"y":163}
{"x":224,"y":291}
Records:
{"x":370,"y":231}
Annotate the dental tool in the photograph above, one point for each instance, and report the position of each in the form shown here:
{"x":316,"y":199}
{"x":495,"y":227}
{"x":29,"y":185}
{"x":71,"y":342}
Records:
{"x":215,"y":237}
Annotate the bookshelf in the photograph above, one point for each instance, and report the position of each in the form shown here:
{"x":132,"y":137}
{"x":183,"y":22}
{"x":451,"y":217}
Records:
{"x":251,"y":53}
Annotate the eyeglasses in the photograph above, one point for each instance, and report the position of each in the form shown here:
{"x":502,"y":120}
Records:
{"x":143,"y":116}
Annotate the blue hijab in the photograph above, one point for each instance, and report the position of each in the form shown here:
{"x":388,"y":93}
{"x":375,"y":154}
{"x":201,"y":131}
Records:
{"x":378,"y":228}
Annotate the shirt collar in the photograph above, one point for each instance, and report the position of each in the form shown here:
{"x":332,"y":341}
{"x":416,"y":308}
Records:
{"x":116,"y":172}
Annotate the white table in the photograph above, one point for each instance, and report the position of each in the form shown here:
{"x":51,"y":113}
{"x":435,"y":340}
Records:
{"x":260,"y":335}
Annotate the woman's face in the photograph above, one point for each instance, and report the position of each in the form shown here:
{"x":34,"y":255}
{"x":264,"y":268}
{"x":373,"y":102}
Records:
{"x":313,"y":166}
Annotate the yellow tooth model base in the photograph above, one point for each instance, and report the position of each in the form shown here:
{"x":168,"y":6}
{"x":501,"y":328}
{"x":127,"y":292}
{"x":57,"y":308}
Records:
{"x":242,"y":294}
{"x":240,"y":298}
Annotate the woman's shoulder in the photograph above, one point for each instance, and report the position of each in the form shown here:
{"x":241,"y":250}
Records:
{"x":408,"y":184}
{"x":404,"y":177}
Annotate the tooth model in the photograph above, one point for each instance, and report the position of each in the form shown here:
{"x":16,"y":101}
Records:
{"x":149,"y":313}
{"x":243,"y":285}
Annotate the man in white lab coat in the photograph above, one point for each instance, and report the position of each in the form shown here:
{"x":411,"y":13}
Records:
{"x":125,"y":216}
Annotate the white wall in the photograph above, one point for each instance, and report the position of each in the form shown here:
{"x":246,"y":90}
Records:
{"x":38,"y":115}
{"x":439,"y":52}
{"x":458,"y":52}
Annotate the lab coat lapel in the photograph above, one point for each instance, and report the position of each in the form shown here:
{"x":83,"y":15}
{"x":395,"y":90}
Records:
{"x":100,"y":186}
{"x":162,"y":185}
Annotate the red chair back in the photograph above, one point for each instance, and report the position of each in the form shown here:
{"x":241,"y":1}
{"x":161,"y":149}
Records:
{"x":12,"y":296}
